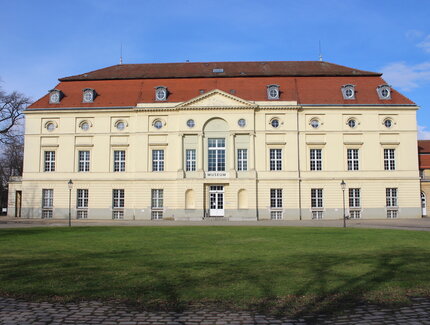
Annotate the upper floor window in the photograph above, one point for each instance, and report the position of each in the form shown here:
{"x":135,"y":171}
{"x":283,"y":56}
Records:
{"x":190,"y":157}
{"x":352,"y":158}
{"x":274,"y":122}
{"x":216,"y":154}
{"x":51,"y":126}
{"x":157,"y":160}
{"x":384,"y":91}
{"x":389,"y":159}
{"x":55,"y":96}
{"x":348,"y":91}
{"x":49,"y":163}
{"x":160,"y":93}
{"x":119,"y":161}
{"x":316,"y":159}
{"x":275,"y":156}
{"x":272,"y":92}
{"x":84,"y":161}
{"x":242,"y":159}
{"x":315,"y":123}
{"x":88,"y":95}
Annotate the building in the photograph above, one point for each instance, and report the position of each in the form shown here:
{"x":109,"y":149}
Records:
{"x":424,"y":165}
{"x":232,"y":140}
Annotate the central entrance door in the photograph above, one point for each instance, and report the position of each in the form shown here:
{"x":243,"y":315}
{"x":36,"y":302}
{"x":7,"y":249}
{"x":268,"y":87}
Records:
{"x":216,"y":201}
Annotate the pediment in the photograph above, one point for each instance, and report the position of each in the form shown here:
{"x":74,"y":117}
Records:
{"x":216,"y":99}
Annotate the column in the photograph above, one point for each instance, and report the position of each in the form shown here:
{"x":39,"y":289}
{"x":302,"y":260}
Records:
{"x":251,"y":157}
{"x":231,"y":155}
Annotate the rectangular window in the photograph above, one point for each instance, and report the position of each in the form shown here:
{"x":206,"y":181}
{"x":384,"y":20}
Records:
{"x":84,"y":161}
{"x":354,"y":214}
{"x":190,"y":160}
{"x":276,"y":215}
{"x":392,"y":214}
{"x":242,"y":159}
{"x":82,"y":198}
{"x":316,"y":159}
{"x":47,"y":203}
{"x":216,"y":154}
{"x":49,"y":163}
{"x":317,"y":214}
{"x":157,"y":160}
{"x":275,"y":156}
{"x":389,"y":159}
{"x":391,"y":197}
{"x":317,"y":198}
{"x":157,"y":204}
{"x":352,"y":157}
{"x":119,"y":161}
{"x":276,"y":198}
{"x":82,"y":214}
{"x":354,"y":198}
{"x":118,"y":203}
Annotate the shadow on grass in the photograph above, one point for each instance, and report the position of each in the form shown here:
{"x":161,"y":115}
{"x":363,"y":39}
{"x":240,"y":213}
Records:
{"x":307,"y":284}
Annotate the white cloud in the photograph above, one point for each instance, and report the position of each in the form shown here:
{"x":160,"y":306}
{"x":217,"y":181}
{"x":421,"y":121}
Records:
{"x":406,"y":77}
{"x":422,"y":133}
{"x":413,"y":34}
{"x":425,"y":44}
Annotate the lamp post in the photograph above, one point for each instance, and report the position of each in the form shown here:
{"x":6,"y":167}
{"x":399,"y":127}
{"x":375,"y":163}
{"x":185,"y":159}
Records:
{"x":343,"y":187}
{"x":70,"y":185}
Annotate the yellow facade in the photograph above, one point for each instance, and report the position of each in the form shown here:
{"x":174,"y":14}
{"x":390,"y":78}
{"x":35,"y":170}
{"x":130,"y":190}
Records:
{"x":246,"y":195}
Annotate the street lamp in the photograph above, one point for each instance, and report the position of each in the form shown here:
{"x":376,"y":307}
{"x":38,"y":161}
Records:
{"x":70,"y":185}
{"x":343,"y":187}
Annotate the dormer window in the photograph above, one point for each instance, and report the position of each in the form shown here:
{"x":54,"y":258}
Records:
{"x":160,"y":93}
{"x":88,"y":95}
{"x":272,"y":92}
{"x":55,"y":96}
{"x":384,"y":91}
{"x":348,"y":91}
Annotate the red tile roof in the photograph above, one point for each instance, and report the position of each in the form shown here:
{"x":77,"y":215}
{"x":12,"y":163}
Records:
{"x":424,"y":154}
{"x":229,"y":69}
{"x":300,"y":83}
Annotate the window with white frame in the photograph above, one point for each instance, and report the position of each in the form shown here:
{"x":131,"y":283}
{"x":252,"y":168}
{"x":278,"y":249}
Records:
{"x":242,"y":159}
{"x":190,"y":160}
{"x":273,"y":92}
{"x":317,"y":203}
{"x":275,"y":156}
{"x":82,"y":203}
{"x":157,"y":160}
{"x":389,"y":159}
{"x":88,"y":95}
{"x":391,"y":197}
{"x":354,"y":203}
{"x":348,"y":91}
{"x":118,"y":203}
{"x":84,"y":161}
{"x":47,"y":203}
{"x":316,"y":159}
{"x":352,"y":158}
{"x":119,"y":161}
{"x":275,"y":203}
{"x":49,"y":161}
{"x":160,"y":93}
{"x":216,"y":154}
{"x":157,"y":204}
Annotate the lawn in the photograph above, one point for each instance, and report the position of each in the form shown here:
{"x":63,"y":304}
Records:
{"x":281,"y":269}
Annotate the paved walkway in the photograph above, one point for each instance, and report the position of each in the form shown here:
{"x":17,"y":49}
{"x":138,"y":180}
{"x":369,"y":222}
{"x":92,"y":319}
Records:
{"x":13,"y":312}
{"x":422,"y":224}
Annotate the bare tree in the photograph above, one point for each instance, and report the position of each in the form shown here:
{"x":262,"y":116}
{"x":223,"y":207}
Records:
{"x":11,"y":107}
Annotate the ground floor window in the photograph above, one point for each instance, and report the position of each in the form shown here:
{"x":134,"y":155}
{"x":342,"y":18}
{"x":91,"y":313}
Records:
{"x":118,"y":203}
{"x":392,"y":214}
{"x":275,"y":203}
{"x":157,"y":204}
{"x":354,"y":203}
{"x":391,"y":201}
{"x":317,"y":214}
{"x":317,"y":203}
{"x":47,"y":203}
{"x":82,"y":203}
{"x":354,"y":214}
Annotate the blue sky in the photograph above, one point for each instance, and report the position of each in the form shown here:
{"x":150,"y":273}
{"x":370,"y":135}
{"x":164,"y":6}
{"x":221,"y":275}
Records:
{"x":41,"y":41}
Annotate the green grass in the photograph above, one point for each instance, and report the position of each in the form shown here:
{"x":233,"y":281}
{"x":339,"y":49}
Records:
{"x":288,"y":270}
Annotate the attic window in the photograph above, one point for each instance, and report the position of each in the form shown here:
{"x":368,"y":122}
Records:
{"x":272,"y":92}
{"x":160,"y":93}
{"x":218,"y":70}
{"x":348,"y":91}
{"x":384,"y":91}
{"x":88,"y":95}
{"x":55,"y":96}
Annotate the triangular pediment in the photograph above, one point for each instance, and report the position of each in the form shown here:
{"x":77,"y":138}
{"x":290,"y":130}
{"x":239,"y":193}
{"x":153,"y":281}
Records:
{"x":216,"y":99}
